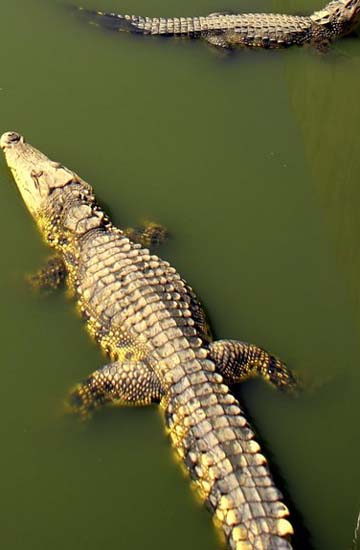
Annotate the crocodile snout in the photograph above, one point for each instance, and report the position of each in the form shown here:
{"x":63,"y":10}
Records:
{"x":10,"y":138}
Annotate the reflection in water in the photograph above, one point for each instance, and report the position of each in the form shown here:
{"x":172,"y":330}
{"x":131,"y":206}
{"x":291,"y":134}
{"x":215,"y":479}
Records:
{"x":325,"y":98}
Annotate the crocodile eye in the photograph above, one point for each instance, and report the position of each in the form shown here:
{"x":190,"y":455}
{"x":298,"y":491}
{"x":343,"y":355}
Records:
{"x":56,"y":165}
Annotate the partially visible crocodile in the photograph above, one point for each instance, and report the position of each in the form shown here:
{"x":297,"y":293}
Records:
{"x":356,"y":537}
{"x":153,"y":327}
{"x":262,"y":30}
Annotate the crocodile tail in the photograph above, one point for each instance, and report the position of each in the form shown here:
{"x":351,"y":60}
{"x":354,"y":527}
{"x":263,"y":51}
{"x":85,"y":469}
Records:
{"x":110,"y":21}
{"x":166,"y":26}
{"x":210,"y":433}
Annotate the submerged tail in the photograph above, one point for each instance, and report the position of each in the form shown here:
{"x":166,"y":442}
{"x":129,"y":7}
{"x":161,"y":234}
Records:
{"x":112,"y":21}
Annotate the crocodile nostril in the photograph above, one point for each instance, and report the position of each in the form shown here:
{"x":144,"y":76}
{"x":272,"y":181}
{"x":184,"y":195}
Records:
{"x":13,"y":137}
{"x":9,"y":138}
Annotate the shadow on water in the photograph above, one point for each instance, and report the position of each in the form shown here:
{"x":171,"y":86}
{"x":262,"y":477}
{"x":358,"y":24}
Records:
{"x":301,"y":540}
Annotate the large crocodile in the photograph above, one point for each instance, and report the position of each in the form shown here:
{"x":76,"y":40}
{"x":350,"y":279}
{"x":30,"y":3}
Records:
{"x":264,"y":30}
{"x":153,"y":327}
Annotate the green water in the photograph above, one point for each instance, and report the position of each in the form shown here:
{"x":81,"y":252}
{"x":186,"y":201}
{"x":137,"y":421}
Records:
{"x":253,"y":163}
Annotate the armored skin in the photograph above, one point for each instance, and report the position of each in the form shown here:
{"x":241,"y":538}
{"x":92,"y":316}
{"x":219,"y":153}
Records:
{"x":255,"y":30}
{"x":152,"y":326}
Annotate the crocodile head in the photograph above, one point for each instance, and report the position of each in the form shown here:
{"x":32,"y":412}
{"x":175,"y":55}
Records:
{"x":61,"y":203}
{"x":342,"y":15}
{"x":35,"y":175}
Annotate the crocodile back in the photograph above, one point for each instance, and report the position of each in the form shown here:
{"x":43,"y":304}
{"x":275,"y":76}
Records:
{"x":135,"y":300}
{"x":277,"y":27}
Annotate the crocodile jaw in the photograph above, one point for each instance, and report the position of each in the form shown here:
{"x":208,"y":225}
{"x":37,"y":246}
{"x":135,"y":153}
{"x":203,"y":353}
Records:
{"x":35,"y":175}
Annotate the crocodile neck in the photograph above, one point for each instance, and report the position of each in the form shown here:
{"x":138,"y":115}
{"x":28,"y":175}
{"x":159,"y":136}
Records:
{"x":68,"y":215}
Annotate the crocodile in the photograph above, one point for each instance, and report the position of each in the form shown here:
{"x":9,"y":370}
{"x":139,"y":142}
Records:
{"x":261,"y":30}
{"x":151,"y":324}
{"x":356,"y":537}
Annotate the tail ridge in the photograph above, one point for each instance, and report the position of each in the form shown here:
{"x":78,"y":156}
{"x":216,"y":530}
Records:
{"x":111,"y":21}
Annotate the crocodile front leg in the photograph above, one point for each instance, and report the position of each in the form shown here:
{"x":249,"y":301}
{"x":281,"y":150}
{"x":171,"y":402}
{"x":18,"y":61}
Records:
{"x":120,"y":383}
{"x":151,"y":234}
{"x":237,"y":361}
{"x":49,"y":277}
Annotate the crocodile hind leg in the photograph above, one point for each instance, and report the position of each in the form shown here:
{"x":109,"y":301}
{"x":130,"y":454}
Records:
{"x":151,"y":234}
{"x":237,"y":361}
{"x":217,"y":39}
{"x":120,"y":383}
{"x":49,"y":277}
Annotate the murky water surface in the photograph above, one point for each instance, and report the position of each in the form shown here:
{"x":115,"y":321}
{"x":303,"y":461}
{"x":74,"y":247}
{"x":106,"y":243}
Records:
{"x":252,"y":162}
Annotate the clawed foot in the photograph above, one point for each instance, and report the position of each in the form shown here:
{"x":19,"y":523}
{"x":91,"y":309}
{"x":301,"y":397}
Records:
{"x":49,"y":277}
{"x":149,"y":235}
